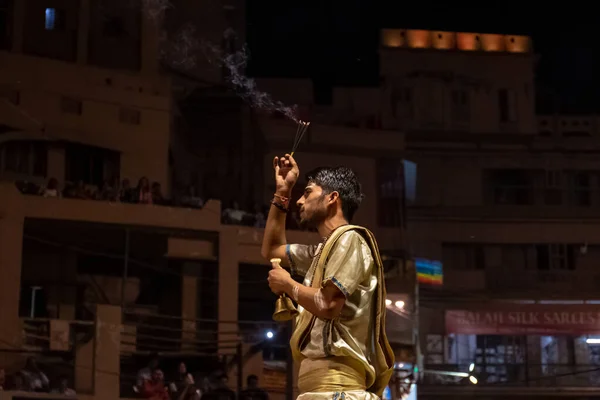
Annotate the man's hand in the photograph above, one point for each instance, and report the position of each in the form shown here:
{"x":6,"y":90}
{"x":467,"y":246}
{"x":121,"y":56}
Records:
{"x":286,"y":174}
{"x":279,"y":279}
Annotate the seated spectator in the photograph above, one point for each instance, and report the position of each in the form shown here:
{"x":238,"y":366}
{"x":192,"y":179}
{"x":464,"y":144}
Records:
{"x":145,"y":374}
{"x":155,"y":389}
{"x":157,"y":196}
{"x":259,"y":217}
{"x":252,"y":391}
{"x":51,"y":189}
{"x":81,"y":192}
{"x":2,"y":378}
{"x":183,"y":387}
{"x":221,"y":391}
{"x":63,"y":388}
{"x":192,"y":198}
{"x":35,"y":380}
{"x":126,"y":192}
{"x":143,"y":192}
{"x":233,"y":215}
{"x":109,"y":190}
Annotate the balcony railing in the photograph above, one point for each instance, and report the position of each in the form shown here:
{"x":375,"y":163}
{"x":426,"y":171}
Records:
{"x":514,"y":375}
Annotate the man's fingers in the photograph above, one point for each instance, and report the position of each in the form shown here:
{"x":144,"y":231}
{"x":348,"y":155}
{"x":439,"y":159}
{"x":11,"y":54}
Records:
{"x":291,"y":160}
{"x":276,"y":164}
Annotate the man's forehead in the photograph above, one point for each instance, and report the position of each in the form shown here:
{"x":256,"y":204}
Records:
{"x":311,"y":185}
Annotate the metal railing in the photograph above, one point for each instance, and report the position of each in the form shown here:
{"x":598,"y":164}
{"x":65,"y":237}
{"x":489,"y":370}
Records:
{"x":515,"y":375}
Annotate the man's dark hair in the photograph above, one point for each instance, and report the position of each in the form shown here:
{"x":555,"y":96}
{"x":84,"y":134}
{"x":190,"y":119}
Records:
{"x":341,"y":180}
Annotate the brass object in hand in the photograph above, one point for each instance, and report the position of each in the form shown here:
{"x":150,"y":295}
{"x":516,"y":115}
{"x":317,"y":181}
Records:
{"x":284,"y":309}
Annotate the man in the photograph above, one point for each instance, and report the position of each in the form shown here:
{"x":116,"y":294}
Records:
{"x":339,"y":337}
{"x":253,"y":392}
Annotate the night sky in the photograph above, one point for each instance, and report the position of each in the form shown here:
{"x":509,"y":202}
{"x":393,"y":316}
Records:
{"x":336,"y":42}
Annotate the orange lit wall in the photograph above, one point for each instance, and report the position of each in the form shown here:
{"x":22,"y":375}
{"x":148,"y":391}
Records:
{"x":464,"y":41}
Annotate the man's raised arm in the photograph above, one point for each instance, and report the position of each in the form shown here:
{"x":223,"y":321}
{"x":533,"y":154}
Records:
{"x":286,"y":175}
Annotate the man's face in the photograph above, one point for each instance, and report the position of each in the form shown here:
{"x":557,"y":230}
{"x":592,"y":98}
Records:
{"x":312,"y":206}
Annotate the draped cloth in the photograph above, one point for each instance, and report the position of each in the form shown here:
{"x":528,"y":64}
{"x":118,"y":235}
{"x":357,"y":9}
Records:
{"x":346,"y":369}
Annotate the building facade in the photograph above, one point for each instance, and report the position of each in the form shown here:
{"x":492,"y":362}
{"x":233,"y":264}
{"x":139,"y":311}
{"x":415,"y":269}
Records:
{"x":90,"y":98}
{"x":505,"y":200}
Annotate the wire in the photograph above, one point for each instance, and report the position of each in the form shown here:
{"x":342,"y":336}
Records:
{"x":130,"y":259}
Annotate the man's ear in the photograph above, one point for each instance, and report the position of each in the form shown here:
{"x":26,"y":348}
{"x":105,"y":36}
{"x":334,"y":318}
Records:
{"x":333,"y":196}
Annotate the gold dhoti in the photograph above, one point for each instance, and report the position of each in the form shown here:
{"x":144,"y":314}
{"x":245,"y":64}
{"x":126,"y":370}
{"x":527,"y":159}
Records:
{"x":333,"y":378}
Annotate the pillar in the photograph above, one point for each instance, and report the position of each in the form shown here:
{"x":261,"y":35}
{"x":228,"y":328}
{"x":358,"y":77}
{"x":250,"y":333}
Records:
{"x":107,"y":351}
{"x":534,"y":361}
{"x":83,"y":32}
{"x":228,"y":288}
{"x":11,"y":244}
{"x":67,"y":296}
{"x":189,"y":305}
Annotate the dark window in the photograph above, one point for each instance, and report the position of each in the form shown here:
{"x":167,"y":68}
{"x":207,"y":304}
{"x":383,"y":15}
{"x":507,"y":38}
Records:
{"x":390,"y":181}
{"x":91,"y":165}
{"x":25,"y":158}
{"x":503,"y":103}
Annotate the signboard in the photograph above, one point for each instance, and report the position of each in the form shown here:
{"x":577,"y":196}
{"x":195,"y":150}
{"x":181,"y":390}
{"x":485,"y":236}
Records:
{"x":526,"y":319}
{"x":429,"y":272}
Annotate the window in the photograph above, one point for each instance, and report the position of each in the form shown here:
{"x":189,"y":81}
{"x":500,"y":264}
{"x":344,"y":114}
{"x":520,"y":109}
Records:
{"x":129,"y":116}
{"x":55,"y":19}
{"x":69,"y":105}
{"x":461,"y":105}
{"x":580,"y":192}
{"x":25,"y":158}
{"x":507,"y":105}
{"x":555,"y":257}
{"x":390,"y":181}
{"x":509,"y":186}
{"x":463,"y":256}
{"x":91,"y":165}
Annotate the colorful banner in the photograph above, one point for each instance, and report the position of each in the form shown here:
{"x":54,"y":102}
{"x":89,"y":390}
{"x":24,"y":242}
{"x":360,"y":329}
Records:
{"x":526,"y":319}
{"x":429,"y":272}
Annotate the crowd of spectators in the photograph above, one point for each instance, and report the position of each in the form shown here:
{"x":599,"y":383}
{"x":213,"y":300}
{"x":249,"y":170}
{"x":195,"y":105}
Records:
{"x":31,"y":378}
{"x":151,"y":193}
{"x":152,"y":384}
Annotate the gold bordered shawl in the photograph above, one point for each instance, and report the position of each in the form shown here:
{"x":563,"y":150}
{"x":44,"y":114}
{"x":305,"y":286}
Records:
{"x":383,"y":357}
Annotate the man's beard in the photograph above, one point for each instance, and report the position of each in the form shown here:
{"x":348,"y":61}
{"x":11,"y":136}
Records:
{"x":313,"y":221}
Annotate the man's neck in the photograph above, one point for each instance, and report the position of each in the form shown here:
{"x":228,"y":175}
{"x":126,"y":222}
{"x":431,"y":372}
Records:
{"x":330,"y":225}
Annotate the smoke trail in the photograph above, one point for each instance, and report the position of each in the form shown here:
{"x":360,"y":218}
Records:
{"x":181,"y":51}
{"x":155,"y":9}
{"x":235,"y":64}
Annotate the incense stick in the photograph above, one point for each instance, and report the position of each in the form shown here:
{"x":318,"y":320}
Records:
{"x":302,"y":128}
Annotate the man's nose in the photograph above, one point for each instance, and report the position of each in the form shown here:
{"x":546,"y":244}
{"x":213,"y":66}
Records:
{"x":299,"y":203}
